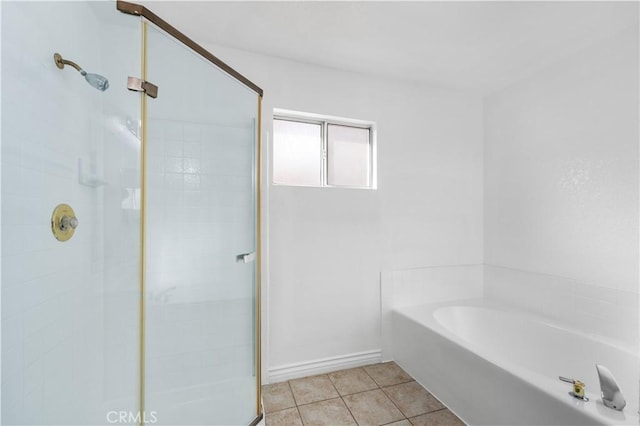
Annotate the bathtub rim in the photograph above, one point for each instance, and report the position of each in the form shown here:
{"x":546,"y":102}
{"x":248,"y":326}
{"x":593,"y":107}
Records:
{"x":423,"y":314}
{"x":532,"y":316}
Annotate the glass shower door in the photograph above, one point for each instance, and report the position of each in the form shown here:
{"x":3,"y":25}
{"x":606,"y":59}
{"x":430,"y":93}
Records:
{"x":201,"y":240}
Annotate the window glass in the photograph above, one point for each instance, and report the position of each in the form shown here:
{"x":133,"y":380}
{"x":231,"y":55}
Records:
{"x":297,"y":153}
{"x":348,"y":156}
{"x":323,"y":151}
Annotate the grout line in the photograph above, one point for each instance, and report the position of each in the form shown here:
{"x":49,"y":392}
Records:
{"x":362,"y":391}
{"x":430,"y":412}
{"x":300,"y":415}
{"x":372,"y":379}
{"x":394,"y":404}
{"x":403,"y":383}
{"x":388,"y":362}
{"x":320,"y":400}
{"x":417,"y":415}
{"x":396,"y":421}
{"x":330,"y":379}
{"x":332,"y":385}
{"x":341,"y":397}
{"x":358,"y":393}
{"x":384,"y":393}
{"x":282,"y":409}
{"x":370,"y":376}
{"x":295,"y":401}
{"x":349,"y":410}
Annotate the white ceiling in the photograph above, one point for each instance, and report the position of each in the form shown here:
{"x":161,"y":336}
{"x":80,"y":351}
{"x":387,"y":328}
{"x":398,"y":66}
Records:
{"x":469,"y":45}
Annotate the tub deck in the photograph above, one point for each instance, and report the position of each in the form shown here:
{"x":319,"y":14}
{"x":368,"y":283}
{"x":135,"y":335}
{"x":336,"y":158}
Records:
{"x":494,"y":366}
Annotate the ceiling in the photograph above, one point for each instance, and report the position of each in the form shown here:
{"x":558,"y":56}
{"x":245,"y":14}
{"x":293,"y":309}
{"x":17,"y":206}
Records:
{"x":480,"y":46}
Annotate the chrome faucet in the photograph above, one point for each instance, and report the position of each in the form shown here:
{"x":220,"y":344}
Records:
{"x":611,"y":394}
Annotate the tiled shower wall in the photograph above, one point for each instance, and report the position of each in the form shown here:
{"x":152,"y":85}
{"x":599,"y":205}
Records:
{"x":70,"y":317}
{"x":561,"y":189}
{"x":200,"y":312}
{"x":69,"y":310}
{"x":604,"y":311}
{"x":200,"y":195}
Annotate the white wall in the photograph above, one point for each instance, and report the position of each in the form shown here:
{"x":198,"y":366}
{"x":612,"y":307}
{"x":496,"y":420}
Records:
{"x":561,"y":189}
{"x":328,"y":246}
{"x":560,"y":226}
{"x":419,"y":286}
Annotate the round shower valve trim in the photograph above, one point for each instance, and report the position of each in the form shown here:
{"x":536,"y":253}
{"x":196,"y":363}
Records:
{"x":63,"y":222}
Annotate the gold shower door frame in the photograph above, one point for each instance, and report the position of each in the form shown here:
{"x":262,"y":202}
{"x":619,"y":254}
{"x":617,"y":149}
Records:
{"x":148,"y":16}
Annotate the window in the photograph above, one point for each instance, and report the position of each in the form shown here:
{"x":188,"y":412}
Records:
{"x":315,"y":150}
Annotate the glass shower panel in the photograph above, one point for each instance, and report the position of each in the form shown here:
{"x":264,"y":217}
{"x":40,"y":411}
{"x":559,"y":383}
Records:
{"x":70,"y":310}
{"x":200,"y":221}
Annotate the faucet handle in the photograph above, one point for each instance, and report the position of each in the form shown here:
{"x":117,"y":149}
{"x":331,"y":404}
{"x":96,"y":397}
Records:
{"x":564,"y":379}
{"x":610,"y":391}
{"x":578,"y":388}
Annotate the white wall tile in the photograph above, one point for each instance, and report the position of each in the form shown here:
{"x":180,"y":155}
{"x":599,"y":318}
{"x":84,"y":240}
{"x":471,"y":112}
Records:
{"x":52,"y":292}
{"x":608,"y":312}
{"x":561,"y":190}
{"x":561,"y":171}
{"x":192,"y":149}
{"x":199,"y":315}
{"x":173,"y":130}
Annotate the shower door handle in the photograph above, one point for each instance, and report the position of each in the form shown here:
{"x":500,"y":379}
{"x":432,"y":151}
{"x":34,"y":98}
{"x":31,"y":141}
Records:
{"x":246,"y":257}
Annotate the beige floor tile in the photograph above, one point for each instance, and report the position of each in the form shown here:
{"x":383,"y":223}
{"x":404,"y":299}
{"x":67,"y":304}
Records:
{"x":412,"y":399}
{"x":330,"y":413}
{"x":288,"y":417}
{"x":277,"y":397}
{"x":372,"y":408}
{"x":352,"y":381}
{"x":400,"y":423}
{"x":437,"y":418}
{"x":387,"y":374}
{"x":312,"y":389}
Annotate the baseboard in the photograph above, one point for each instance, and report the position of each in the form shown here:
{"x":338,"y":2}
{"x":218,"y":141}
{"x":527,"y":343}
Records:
{"x":324,"y":365}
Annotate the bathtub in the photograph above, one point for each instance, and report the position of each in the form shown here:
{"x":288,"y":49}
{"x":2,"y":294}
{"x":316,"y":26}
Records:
{"x":495,"y":366}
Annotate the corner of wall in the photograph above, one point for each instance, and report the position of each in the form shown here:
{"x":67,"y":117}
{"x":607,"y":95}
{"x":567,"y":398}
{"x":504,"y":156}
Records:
{"x":425,"y":286}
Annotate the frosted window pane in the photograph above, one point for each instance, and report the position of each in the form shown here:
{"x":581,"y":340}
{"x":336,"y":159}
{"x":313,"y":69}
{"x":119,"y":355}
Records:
{"x":297,"y":149}
{"x":348,"y":156}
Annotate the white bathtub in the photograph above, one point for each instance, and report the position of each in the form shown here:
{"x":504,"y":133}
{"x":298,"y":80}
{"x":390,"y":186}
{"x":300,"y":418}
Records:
{"x":494,"y":366}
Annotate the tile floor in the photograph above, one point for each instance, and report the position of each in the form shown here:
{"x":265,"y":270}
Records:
{"x":380,"y":394}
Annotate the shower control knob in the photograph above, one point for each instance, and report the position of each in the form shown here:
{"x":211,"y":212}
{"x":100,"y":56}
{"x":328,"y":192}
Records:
{"x":63,"y":222}
{"x":68,"y":222}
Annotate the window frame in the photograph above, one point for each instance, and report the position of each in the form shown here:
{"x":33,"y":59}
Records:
{"x":324,"y":121}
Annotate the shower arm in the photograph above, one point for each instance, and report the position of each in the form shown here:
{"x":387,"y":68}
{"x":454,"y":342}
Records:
{"x":60,"y":62}
{"x":96,"y":81}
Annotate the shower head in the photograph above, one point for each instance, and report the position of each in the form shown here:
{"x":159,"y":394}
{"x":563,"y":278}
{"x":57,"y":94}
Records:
{"x":95,"y":80}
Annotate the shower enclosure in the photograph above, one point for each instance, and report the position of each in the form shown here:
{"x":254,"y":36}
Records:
{"x":130,"y":228}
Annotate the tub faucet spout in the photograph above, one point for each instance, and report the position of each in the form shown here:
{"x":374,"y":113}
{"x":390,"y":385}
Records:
{"x":611,"y":394}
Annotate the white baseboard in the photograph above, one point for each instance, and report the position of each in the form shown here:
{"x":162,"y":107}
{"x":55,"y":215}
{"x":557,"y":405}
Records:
{"x":324,"y":365}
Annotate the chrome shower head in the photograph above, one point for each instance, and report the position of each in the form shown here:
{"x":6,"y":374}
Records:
{"x":95,"y":80}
